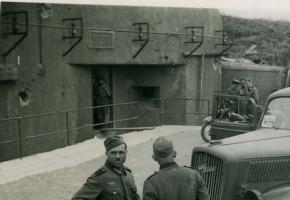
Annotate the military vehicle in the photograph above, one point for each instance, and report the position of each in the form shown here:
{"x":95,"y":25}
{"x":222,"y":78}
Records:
{"x":253,"y":165}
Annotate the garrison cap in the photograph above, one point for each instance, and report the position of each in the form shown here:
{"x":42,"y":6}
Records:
{"x":162,"y":147}
{"x":113,"y":141}
{"x":235,"y":81}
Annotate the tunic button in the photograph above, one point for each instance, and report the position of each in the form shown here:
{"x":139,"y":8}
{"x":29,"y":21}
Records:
{"x":114,"y":193}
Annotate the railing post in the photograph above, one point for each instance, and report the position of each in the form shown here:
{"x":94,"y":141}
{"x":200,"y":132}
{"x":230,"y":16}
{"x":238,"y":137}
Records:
{"x":165,"y":118}
{"x":138,"y":114}
{"x":112,"y":125}
{"x":19,"y":136}
{"x":208,"y":107}
{"x":160,"y":110}
{"x":67,"y":129}
{"x":238,"y":105}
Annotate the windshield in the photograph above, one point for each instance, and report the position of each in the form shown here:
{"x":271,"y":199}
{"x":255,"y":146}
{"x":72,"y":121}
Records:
{"x":277,"y":114}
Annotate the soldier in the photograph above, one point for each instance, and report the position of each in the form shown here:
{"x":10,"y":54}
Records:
{"x":103,"y":96}
{"x":244,"y":87}
{"x":172,"y":182}
{"x":252,"y":91}
{"x":234,"y":88}
{"x":113,"y":180}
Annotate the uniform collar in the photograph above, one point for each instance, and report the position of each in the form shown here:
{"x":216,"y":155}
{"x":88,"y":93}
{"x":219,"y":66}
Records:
{"x":119,"y":171}
{"x":166,"y":165}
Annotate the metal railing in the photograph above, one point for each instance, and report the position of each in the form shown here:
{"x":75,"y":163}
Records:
{"x":199,"y":106}
{"x":66,"y":125}
{"x":68,"y":122}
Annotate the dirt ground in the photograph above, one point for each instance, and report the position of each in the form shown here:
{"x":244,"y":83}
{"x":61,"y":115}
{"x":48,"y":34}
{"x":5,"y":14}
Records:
{"x":62,"y":184}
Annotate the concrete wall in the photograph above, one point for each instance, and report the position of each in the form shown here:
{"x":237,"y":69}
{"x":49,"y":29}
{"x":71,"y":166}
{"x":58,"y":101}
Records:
{"x":60,"y":83}
{"x":168,"y":79}
{"x":161,"y":20}
{"x":53,"y":88}
{"x":203,"y":78}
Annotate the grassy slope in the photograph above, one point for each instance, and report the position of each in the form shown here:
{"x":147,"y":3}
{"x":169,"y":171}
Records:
{"x":272,"y":39}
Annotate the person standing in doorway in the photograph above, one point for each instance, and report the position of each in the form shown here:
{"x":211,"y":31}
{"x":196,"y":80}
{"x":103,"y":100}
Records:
{"x":103,"y":98}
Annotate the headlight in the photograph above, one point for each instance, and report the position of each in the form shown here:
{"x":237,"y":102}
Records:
{"x":207,"y":119}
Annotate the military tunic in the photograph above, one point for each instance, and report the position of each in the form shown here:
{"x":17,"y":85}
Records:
{"x":173,"y":182}
{"x":253,"y":93}
{"x":109,"y":183}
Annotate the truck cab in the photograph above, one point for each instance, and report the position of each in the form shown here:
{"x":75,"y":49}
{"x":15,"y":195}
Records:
{"x":253,"y":165}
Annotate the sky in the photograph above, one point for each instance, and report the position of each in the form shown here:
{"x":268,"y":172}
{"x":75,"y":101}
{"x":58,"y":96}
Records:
{"x":261,"y":9}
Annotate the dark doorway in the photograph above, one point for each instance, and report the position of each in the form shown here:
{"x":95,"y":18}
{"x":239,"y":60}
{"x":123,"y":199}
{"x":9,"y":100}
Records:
{"x":102,"y":95}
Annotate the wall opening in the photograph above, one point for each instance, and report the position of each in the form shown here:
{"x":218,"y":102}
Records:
{"x":24,"y":95}
{"x":146,"y":95}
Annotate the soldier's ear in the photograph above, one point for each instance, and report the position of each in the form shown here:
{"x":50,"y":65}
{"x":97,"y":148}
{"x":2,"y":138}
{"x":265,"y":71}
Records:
{"x":174,"y":154}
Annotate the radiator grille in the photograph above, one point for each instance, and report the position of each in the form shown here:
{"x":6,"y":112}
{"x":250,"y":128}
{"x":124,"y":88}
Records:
{"x":269,"y":170}
{"x":211,"y":169}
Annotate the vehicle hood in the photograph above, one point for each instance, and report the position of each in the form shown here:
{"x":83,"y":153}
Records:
{"x":256,"y":144}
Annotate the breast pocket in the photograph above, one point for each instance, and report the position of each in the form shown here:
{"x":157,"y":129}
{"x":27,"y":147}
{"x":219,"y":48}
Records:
{"x":113,"y":191}
{"x":116,"y":195}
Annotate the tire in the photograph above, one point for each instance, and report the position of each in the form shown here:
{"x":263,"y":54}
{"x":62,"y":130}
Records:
{"x":205,"y":132}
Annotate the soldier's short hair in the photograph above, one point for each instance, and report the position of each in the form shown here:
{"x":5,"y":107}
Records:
{"x":162,"y":147}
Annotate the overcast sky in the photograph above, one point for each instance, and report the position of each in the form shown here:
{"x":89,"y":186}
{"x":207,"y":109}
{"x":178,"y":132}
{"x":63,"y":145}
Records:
{"x":264,"y":9}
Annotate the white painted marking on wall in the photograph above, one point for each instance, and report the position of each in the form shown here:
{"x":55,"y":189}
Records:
{"x":18,"y":60}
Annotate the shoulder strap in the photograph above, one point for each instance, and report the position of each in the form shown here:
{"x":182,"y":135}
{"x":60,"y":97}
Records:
{"x":127,"y":169}
{"x":151,"y":175}
{"x":100,"y":171}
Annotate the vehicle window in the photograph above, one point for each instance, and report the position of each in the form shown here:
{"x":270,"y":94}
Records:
{"x":235,"y":109}
{"x":277,"y":114}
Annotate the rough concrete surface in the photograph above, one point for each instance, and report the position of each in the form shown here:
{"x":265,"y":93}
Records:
{"x":61,"y":184}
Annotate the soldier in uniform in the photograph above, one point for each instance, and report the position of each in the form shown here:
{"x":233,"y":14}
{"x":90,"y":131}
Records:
{"x":244,"y":87}
{"x":113,"y":181}
{"x":103,"y":96}
{"x":172,"y":182}
{"x":234,"y":89}
{"x":231,"y":103}
{"x":243,"y":101}
{"x":252,"y":91}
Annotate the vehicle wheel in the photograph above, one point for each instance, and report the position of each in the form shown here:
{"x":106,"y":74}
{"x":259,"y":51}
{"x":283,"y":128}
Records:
{"x":205,"y":132}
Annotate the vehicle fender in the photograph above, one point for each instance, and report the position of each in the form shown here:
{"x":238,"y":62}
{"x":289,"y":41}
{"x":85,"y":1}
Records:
{"x":281,"y":193}
{"x":253,"y":195}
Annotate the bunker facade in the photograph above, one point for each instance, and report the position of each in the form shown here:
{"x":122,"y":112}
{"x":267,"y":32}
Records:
{"x":53,"y":56}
